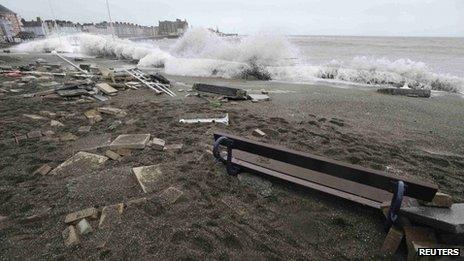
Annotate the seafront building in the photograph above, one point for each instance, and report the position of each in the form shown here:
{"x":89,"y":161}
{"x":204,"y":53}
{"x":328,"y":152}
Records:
{"x":14,"y":29}
{"x":10,"y":25}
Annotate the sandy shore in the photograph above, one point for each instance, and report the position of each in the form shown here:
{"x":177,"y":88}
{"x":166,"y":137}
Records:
{"x":405,"y":136}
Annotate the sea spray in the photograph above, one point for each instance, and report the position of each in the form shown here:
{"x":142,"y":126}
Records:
{"x":202,"y":53}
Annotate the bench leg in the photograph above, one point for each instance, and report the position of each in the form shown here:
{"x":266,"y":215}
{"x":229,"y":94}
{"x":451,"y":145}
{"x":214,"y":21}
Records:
{"x":231,"y":168}
{"x":395,"y":205}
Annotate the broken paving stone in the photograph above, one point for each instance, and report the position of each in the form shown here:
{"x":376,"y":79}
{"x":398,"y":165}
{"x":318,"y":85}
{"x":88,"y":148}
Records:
{"x":110,"y":215}
{"x":112,"y":111}
{"x":446,"y":219}
{"x":136,"y":202}
{"x":261,"y":185}
{"x":112,"y":155}
{"x":84,"y":129}
{"x":148,"y":177}
{"x":70,"y":236}
{"x":55,"y":123}
{"x":258,"y":133}
{"x":418,"y":236}
{"x":93,"y":115}
{"x":392,"y":240}
{"x":170,"y":195}
{"x":173,"y":147}
{"x":130,"y":141}
{"x":34,"y":134}
{"x":43,"y":170}
{"x":67,"y":136}
{"x":106,"y":88}
{"x":29,"y":78}
{"x":78,"y":215}
{"x":440,"y":200}
{"x":84,"y":227}
{"x":157,"y":143}
{"x":78,"y":161}
{"x":124,"y":152}
{"x":34,"y":116}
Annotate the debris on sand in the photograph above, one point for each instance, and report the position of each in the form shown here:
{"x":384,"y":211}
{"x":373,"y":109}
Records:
{"x":421,"y":93}
{"x":229,"y":92}
{"x":223,"y":120}
{"x":84,"y":227}
{"x":258,"y":133}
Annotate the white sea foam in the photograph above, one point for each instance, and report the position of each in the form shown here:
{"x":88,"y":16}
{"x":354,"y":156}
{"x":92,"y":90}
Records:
{"x":202,"y":53}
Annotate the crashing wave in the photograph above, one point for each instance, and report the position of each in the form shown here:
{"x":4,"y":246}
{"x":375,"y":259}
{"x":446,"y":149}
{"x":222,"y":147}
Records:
{"x":200,"y":52}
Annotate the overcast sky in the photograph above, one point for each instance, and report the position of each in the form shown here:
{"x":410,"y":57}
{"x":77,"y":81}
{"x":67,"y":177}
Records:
{"x":317,"y":17}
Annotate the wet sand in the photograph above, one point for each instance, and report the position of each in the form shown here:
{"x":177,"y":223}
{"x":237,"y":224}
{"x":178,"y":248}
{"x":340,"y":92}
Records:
{"x":222,"y":217}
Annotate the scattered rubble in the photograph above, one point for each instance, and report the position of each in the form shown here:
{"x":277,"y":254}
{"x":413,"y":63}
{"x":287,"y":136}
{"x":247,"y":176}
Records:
{"x":55,"y":123}
{"x":106,"y":88}
{"x":258,"y":133}
{"x":78,"y":215}
{"x":84,"y":129}
{"x":70,"y":236}
{"x":84,"y":227}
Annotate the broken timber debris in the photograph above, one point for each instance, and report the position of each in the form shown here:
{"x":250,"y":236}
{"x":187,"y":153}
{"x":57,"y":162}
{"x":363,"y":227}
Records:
{"x":152,"y":83}
{"x":224,"y":120}
{"x":229,"y":92}
{"x":106,"y":88}
{"x":361,"y":185}
{"x":422,"y":93}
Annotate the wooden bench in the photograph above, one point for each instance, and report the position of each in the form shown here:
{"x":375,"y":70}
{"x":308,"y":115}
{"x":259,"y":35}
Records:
{"x":358,"y":184}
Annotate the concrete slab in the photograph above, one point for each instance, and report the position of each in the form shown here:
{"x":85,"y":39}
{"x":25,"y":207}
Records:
{"x":106,"y":88}
{"x":80,"y":162}
{"x":84,"y":129}
{"x":157,"y":144}
{"x":34,"y":116}
{"x":130,"y":141}
{"x":446,"y":219}
{"x":92,"y":142}
{"x":148,"y":176}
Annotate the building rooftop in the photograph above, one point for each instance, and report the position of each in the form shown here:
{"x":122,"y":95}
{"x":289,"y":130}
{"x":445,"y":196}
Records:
{"x":4,"y":10}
